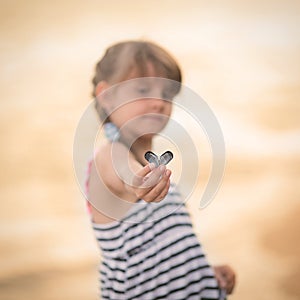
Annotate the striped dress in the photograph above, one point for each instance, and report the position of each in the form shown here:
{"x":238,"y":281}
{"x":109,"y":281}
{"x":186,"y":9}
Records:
{"x":153,"y":253}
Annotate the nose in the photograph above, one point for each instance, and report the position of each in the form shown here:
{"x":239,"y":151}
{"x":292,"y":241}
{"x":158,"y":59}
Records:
{"x":157,"y":104}
{"x":157,"y":99}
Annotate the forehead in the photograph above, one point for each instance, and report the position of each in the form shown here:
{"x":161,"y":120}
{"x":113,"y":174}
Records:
{"x":144,"y":87}
{"x":148,"y":73}
{"x":150,"y":84}
{"x":148,"y":69}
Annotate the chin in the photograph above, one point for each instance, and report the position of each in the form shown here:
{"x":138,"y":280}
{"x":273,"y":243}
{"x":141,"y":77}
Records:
{"x":152,"y":131}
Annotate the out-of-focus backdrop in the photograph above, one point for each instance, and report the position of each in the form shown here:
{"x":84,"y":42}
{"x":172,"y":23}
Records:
{"x":242,"y":57}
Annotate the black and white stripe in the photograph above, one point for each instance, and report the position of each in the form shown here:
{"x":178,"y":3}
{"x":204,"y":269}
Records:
{"x":158,"y":257}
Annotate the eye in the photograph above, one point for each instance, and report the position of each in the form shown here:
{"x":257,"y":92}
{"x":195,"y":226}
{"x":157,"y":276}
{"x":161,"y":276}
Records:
{"x":143,"y":90}
{"x":168,"y":95}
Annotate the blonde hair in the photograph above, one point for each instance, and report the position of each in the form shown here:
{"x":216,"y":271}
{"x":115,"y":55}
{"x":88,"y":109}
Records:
{"x":120,"y":59}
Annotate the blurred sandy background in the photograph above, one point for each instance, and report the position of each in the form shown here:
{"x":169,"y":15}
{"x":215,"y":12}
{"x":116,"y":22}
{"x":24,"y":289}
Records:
{"x":242,"y":57}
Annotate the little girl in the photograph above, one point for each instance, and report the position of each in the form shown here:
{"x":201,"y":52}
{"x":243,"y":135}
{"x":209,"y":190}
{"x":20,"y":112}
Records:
{"x":149,"y":249}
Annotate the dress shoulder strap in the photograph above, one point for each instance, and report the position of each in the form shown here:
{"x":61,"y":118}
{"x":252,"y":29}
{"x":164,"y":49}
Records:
{"x":87,"y":179}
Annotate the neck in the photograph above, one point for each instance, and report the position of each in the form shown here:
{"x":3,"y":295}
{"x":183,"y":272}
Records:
{"x":140,"y":147}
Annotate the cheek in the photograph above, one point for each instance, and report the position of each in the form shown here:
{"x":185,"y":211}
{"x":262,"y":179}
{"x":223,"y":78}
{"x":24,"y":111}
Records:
{"x":168,"y":109}
{"x":125,"y":113}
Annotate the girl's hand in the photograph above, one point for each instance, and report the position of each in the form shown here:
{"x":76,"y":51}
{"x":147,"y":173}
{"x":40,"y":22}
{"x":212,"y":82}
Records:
{"x":225,"y":277}
{"x":151,"y":183}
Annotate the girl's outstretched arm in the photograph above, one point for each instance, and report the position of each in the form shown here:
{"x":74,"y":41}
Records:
{"x":128,"y":178}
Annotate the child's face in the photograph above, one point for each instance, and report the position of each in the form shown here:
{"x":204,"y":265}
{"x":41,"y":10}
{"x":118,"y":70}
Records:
{"x":141,"y":106}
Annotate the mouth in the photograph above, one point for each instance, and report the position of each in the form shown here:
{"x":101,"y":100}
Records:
{"x":155,"y":117}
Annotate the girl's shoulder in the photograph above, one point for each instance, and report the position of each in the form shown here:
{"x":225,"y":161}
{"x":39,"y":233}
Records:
{"x":102,"y":154}
{"x":109,"y":154}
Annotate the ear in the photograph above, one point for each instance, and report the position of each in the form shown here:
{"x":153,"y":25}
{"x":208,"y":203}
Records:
{"x":100,"y":87}
{"x":101,"y":97}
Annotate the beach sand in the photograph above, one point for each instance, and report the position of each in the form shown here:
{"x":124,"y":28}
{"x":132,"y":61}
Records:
{"x":244,"y":61}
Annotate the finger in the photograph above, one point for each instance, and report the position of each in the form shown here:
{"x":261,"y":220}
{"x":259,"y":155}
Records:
{"x":222,"y":282}
{"x":160,"y":190}
{"x":229,"y":275}
{"x":164,"y":192}
{"x":140,"y":175}
{"x":229,"y":290}
{"x":142,"y":192}
{"x":229,"y":287}
{"x":154,"y":178}
{"x":232,"y":285}
{"x":219,"y":274}
{"x":146,"y":170}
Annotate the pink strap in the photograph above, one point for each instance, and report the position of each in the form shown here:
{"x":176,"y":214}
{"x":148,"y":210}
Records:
{"x":88,"y":173}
